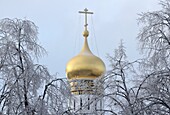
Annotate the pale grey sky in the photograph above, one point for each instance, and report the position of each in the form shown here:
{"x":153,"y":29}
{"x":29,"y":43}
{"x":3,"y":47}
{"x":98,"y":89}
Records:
{"x":60,"y":26}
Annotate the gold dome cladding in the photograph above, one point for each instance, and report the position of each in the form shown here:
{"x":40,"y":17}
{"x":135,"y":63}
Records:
{"x":85,"y":65}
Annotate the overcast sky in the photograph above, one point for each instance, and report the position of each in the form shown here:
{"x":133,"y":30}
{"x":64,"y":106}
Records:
{"x":60,"y":26}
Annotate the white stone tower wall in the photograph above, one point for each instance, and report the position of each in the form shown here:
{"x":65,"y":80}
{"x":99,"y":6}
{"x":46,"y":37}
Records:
{"x":85,"y":104}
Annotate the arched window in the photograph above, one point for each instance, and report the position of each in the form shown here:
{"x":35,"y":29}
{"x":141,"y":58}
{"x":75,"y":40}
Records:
{"x":95,"y":102}
{"x":74,"y":104}
{"x":88,"y":106}
{"x":81,"y":103}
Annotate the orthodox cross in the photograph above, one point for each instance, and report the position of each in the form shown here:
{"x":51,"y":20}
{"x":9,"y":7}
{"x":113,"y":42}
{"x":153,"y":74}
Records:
{"x":85,"y":12}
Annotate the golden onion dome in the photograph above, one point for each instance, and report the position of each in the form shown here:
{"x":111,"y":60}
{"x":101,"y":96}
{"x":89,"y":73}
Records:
{"x":85,"y":65}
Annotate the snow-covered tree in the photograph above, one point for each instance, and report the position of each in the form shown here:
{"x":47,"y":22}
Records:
{"x":154,"y":39}
{"x":20,"y":77}
{"x":120,"y":93}
{"x":27,"y":88}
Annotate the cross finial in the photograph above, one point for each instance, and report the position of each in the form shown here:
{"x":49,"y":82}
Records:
{"x":85,"y":33}
{"x":85,"y":12}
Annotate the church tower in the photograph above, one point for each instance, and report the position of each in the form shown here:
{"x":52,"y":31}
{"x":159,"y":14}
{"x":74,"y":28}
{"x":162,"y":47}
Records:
{"x":83,"y":72}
